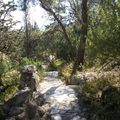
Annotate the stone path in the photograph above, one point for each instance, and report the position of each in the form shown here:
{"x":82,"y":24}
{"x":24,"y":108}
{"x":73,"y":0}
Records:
{"x":62,"y":99}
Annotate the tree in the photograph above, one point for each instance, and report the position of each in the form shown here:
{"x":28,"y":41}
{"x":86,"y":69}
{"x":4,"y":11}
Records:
{"x":6,"y":20}
{"x":81,"y":49}
{"x":25,"y":9}
{"x":103,"y":35}
{"x":50,"y":8}
{"x":28,"y":27}
{"x":6,"y":24}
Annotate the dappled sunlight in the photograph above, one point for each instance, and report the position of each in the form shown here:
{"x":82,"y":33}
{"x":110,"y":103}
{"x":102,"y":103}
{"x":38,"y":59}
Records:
{"x":62,"y":99}
{"x":67,"y":53}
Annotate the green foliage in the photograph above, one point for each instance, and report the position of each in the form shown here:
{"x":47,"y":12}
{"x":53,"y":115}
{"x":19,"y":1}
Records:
{"x":109,"y":107}
{"x":5,"y":63}
{"x":66,"y":72}
{"x":59,"y":63}
{"x":103,"y":35}
{"x":51,"y":67}
{"x":94,"y":87}
{"x":55,"y":65}
{"x":26,"y":61}
{"x":35,"y":62}
{"x":10,"y":78}
{"x":103,"y":45}
{"x":52,"y":41}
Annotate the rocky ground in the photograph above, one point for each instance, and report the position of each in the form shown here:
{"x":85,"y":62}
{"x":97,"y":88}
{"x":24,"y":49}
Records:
{"x":61,"y":101}
{"x":49,"y":100}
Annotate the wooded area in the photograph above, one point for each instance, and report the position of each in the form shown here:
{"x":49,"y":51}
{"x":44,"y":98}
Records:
{"x":82,"y":37}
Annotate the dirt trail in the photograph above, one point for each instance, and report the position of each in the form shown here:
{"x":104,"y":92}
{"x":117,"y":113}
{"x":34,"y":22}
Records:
{"x":62,"y":99}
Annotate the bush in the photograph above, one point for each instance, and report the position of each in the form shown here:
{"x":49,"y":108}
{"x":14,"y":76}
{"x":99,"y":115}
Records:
{"x":5,"y":63}
{"x":26,"y":61}
{"x":109,"y":107}
{"x":66,"y":72}
{"x":52,"y":67}
{"x":11,"y":79}
{"x":55,"y":65}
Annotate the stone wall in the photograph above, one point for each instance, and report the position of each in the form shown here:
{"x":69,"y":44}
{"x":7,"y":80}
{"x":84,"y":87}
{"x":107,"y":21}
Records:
{"x":25,"y":103}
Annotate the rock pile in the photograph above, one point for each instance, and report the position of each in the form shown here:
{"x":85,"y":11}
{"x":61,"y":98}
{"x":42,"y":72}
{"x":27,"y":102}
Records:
{"x":25,"y":103}
{"x":29,"y":78}
{"x":49,"y":100}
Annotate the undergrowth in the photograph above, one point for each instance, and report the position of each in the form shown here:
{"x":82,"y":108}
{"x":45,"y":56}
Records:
{"x":109,"y":107}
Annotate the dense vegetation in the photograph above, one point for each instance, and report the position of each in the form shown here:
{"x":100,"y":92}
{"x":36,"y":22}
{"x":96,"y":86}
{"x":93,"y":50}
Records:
{"x":83,"y":36}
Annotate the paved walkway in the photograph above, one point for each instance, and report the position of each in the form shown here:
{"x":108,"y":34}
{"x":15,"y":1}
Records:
{"x":62,"y":99}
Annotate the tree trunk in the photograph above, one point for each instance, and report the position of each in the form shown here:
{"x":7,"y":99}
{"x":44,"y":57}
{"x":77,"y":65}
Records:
{"x":1,"y":82}
{"x":79,"y":60}
{"x":26,"y":38}
{"x":26,"y":41}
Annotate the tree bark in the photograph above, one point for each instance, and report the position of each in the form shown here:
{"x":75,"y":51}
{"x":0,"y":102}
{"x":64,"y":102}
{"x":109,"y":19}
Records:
{"x":26,"y":41}
{"x":27,"y":37}
{"x":79,"y":60}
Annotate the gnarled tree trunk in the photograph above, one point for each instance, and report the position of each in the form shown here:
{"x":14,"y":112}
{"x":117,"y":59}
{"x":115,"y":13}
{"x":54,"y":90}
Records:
{"x":79,"y":60}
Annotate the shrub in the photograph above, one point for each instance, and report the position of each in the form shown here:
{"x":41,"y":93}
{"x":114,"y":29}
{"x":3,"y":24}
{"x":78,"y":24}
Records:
{"x":26,"y":61}
{"x":5,"y":64}
{"x":66,"y":72}
{"x":51,"y":67}
{"x":55,"y":65}
{"x":93,"y":89}
{"x":10,"y":79}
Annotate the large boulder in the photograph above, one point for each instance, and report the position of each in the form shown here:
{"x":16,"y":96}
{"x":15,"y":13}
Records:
{"x":32,"y":111}
{"x":110,"y":103}
{"x":29,"y":78}
{"x":110,"y":95}
{"x":19,"y":98}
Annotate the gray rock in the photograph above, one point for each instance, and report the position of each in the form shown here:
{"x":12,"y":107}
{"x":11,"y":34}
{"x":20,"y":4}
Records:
{"x":31,"y":111}
{"x":14,"y":111}
{"x":39,"y":99}
{"x":18,"y":99}
{"x":29,"y":78}
{"x":30,"y":69}
{"x":56,"y":117}
{"x":12,"y":118}
{"x":45,"y":108}
{"x":55,"y":111}
{"x":21,"y":116}
{"x":24,"y":104}
{"x":83,"y":119}
{"x":46,"y":116}
{"x":40,"y":112}
{"x":53,"y":74}
{"x":76,"y":118}
{"x":59,"y":102}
